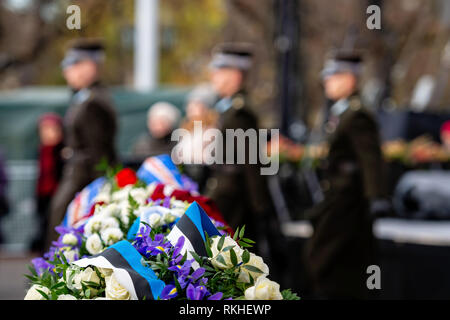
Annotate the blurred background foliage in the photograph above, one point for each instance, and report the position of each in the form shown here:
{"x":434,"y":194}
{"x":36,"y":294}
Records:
{"x":411,"y":48}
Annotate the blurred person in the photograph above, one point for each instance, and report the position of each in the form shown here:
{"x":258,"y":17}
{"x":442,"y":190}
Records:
{"x":199,"y":108}
{"x":162,"y":119}
{"x":342,"y":245}
{"x":90,"y":126}
{"x":4,"y":205}
{"x":445,"y":135}
{"x":50,"y":171}
{"x":239,"y":190}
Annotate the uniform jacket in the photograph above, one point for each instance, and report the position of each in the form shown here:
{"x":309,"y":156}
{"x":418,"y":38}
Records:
{"x":342,"y":246}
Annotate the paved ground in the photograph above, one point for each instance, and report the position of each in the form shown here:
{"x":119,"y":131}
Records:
{"x":13,"y":266}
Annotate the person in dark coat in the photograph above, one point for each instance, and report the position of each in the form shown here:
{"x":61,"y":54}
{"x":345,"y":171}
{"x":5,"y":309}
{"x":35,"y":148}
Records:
{"x":4,"y":204}
{"x":162,"y":119}
{"x":342,"y":245}
{"x":90,"y":126}
{"x":239,"y":190}
{"x":50,"y":171}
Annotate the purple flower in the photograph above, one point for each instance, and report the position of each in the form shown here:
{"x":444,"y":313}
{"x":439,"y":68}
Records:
{"x":197,"y":274}
{"x":183,"y":270}
{"x":169,"y":292}
{"x":41,"y":265}
{"x":196,"y":293}
{"x":189,"y":184}
{"x":166,"y":202}
{"x":176,"y":256}
{"x":216,"y":296}
{"x":63,"y":231}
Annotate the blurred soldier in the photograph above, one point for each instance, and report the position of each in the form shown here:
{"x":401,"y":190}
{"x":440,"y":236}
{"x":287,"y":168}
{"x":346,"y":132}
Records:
{"x":90,"y":124}
{"x":239,"y":190}
{"x":342,"y":246}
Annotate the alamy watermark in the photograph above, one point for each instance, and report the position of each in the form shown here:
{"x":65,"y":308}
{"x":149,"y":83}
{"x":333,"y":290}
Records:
{"x":74,"y":20}
{"x":373,"y":22}
{"x":207,"y":146}
{"x":374,"y":280}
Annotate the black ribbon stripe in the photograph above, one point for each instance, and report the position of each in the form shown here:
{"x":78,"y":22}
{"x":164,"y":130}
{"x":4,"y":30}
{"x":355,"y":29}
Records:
{"x":141,"y":285}
{"x":190,"y":231}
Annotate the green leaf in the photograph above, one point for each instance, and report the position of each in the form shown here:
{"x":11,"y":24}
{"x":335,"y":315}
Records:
{"x":221,"y":259}
{"x":244,"y":245}
{"x":241,"y":233}
{"x":245,"y":256}
{"x":220,"y":243}
{"x":227,"y":248}
{"x":208,"y":251}
{"x":236,"y":233}
{"x":196,"y":257}
{"x":233,"y":257}
{"x":57,"y":285}
{"x":177,"y":284}
{"x":32,"y":270}
{"x":31,"y":278}
{"x":43,"y":294}
{"x":252,"y":268}
{"x":87,"y":293}
{"x":287,"y":294}
{"x":247,"y":240}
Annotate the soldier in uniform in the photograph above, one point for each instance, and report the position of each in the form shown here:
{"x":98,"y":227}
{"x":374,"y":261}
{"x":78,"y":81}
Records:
{"x":90,"y":126}
{"x":342,"y":245}
{"x":239,"y":190}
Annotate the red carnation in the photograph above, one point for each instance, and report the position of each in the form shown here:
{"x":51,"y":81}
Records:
{"x":125,"y":177}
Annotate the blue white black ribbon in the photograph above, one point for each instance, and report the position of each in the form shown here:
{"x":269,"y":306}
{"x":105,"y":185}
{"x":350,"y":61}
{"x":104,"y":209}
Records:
{"x":125,"y":261}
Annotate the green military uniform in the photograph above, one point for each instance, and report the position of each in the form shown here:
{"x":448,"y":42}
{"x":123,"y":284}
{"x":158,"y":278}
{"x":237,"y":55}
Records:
{"x":239,"y":190}
{"x":342,"y":246}
{"x":90,"y":127}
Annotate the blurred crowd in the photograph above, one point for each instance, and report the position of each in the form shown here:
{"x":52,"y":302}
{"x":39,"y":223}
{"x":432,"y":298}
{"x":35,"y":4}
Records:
{"x":343,"y":159}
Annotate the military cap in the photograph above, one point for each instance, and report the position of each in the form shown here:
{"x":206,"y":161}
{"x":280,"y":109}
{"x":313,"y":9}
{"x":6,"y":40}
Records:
{"x":83,"y":49}
{"x":343,"y":61}
{"x":232,"y":55}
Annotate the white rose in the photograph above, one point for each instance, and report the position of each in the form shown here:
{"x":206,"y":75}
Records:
{"x":109,"y":223}
{"x":93,"y":225}
{"x":110,"y":210}
{"x":139,"y":194}
{"x":114,"y":289}
{"x":111,"y":236}
{"x":70,"y":255}
{"x":106,"y":272}
{"x":178,"y":204}
{"x":87,"y":275}
{"x":94,"y":244}
{"x":154,"y":220}
{"x":125,"y":217}
{"x":168,"y":217}
{"x":33,"y":294}
{"x":122,"y":194}
{"x":264,"y":289}
{"x":66,"y":297}
{"x":257,"y":262}
{"x":178,"y":212}
{"x":70,"y":239}
{"x":226,"y":255}
{"x":101,"y":298}
{"x":105,"y":194}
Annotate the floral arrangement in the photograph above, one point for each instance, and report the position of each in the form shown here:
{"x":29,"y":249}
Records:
{"x":418,"y":151}
{"x":136,"y":244}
